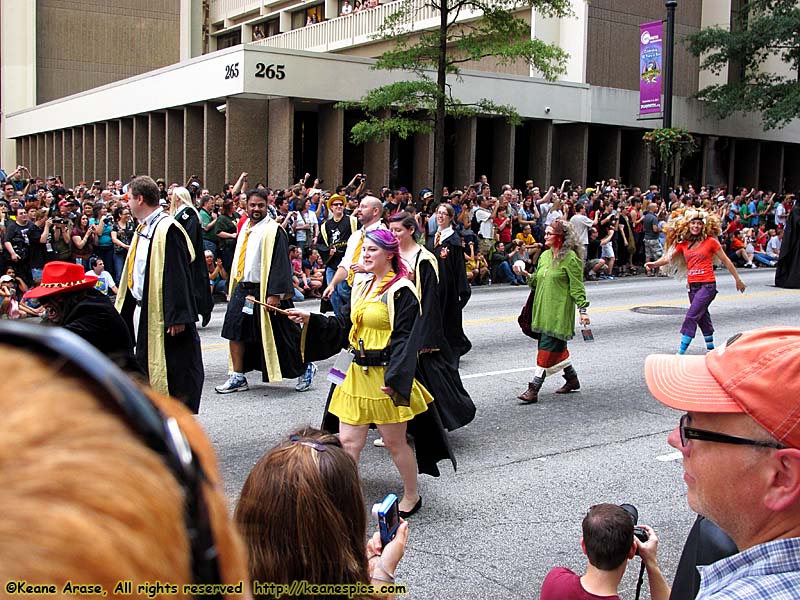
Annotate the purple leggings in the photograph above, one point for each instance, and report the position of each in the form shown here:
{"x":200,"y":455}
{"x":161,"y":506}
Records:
{"x":700,"y":297}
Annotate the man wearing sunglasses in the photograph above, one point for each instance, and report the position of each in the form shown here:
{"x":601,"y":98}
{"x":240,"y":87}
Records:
{"x":740,"y":441}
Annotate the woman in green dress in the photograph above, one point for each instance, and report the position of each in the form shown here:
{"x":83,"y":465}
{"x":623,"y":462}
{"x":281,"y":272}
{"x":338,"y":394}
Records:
{"x":558,"y":285}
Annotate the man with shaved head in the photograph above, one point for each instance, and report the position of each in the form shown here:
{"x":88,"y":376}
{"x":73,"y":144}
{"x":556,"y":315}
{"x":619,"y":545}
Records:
{"x":369,"y":213}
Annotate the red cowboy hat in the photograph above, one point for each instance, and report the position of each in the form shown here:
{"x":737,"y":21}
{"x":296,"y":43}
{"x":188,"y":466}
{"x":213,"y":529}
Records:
{"x":59,"y":277}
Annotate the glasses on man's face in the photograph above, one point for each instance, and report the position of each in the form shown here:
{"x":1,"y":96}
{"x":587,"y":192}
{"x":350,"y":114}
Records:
{"x":692,"y":433}
{"x":335,"y":204}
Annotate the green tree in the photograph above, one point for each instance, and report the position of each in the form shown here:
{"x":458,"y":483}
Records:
{"x":420,"y":105}
{"x":763,"y":28}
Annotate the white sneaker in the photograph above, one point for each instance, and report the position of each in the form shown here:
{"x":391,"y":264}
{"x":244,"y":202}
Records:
{"x":378,"y":443}
{"x":306,"y":379}
{"x":234,"y":384}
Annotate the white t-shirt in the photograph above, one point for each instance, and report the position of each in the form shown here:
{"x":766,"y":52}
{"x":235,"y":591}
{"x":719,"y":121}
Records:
{"x":780,"y":214}
{"x":484,"y":217}
{"x":774,"y":245}
{"x":581,"y":224}
{"x":104,"y":281}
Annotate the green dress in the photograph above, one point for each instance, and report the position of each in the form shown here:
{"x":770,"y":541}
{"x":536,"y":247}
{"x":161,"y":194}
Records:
{"x":559,"y":289}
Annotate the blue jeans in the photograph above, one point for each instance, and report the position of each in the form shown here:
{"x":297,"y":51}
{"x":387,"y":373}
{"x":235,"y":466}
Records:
{"x":503,"y":273}
{"x":207,"y":245}
{"x":220,"y":287}
{"x":764,"y":258}
{"x":341,"y":293}
{"x":298,"y":296}
{"x":119,"y":264}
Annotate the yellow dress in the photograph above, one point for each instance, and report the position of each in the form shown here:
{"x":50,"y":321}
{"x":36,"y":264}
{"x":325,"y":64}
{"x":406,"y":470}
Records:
{"x":359,"y":400}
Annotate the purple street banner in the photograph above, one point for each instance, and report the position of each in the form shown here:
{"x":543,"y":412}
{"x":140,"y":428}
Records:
{"x":650,"y":64}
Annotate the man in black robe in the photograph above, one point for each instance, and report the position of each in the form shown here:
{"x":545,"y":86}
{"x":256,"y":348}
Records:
{"x":269,"y":342}
{"x":787,"y":273}
{"x":157,"y":276}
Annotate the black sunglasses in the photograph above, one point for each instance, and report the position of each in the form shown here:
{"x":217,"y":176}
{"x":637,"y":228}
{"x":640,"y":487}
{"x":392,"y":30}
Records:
{"x":157,"y":431}
{"x":691,"y":433}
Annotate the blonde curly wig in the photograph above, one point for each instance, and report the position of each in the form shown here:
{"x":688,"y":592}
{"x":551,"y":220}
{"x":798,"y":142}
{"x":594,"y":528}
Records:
{"x":677,"y":230}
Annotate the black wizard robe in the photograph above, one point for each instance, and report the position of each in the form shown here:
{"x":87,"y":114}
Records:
{"x":325,"y":336}
{"x":173,"y":364}
{"x":437,"y":363}
{"x":787,"y":272}
{"x":333,"y":236}
{"x":94,"y":318}
{"x":276,"y":349}
{"x":188,"y":218}
{"x":454,"y":290}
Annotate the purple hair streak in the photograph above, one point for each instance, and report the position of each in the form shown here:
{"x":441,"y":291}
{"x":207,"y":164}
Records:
{"x":387,"y":241}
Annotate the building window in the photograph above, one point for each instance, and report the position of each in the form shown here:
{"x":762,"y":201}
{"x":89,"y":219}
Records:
{"x":228,"y":40}
{"x":308,"y":16}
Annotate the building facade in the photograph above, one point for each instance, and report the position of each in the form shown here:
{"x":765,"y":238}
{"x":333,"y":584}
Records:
{"x":174,"y":88}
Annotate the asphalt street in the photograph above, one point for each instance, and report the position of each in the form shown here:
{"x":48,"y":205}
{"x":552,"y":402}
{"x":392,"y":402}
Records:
{"x":526,"y":473}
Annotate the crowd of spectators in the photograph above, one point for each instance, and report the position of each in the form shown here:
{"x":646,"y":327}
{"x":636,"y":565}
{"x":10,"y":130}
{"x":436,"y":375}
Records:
{"x":502,"y":227}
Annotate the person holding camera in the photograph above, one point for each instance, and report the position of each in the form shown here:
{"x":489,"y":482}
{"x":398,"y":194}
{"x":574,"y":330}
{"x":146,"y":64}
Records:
{"x":104,"y":248}
{"x":17,"y":244}
{"x":610,"y":540}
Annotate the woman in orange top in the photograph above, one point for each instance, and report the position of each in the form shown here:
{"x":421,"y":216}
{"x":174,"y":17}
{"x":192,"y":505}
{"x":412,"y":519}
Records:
{"x":692,"y":246}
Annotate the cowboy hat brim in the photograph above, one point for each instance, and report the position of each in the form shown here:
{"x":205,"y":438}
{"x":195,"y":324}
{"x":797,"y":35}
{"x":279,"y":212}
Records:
{"x":42,"y":291}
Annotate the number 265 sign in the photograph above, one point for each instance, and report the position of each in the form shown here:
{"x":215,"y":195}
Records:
{"x":262,"y":71}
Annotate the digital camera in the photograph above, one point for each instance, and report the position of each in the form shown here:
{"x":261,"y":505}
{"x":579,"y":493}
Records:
{"x":388,"y":517}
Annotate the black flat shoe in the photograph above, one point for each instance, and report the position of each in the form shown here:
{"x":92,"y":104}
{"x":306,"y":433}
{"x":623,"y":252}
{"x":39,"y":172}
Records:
{"x":405,"y":514}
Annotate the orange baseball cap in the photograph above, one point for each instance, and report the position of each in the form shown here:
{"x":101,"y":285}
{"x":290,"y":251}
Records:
{"x":756,"y":372}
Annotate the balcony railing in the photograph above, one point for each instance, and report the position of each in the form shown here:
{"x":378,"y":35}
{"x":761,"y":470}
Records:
{"x":220,"y":9}
{"x":355,"y":29}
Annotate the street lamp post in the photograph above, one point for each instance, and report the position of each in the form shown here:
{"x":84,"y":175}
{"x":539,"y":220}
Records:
{"x":668,"y":69}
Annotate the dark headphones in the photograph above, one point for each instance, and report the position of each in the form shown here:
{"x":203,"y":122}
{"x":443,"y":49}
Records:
{"x":158,"y":432}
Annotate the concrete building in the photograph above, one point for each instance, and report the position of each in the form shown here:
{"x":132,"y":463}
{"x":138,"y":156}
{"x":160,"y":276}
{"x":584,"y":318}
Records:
{"x":173,"y":88}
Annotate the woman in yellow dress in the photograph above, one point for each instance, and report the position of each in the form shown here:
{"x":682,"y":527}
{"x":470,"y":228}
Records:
{"x":379,"y":386}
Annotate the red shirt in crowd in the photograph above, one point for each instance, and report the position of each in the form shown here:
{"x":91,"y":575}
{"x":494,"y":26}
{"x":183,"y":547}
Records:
{"x":503,"y":235}
{"x":699,"y":259}
{"x":563,"y":584}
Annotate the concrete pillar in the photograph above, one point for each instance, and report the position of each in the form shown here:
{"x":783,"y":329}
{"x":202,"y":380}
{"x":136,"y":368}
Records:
{"x":503,"y":144}
{"x":19,"y":147}
{"x":112,"y":150}
{"x":193,"y":136}
{"x":173,"y":144}
{"x":540,"y":165}
{"x":572,"y":152}
{"x":50,"y":153}
{"x":771,"y":168}
{"x":640,"y":165}
{"x":280,"y":143}
{"x":77,"y":155}
{"x":141,"y":136}
{"x":746,"y":164}
{"x":731,"y":165}
{"x":156,"y":140}
{"x":330,"y":160}
{"x":213,"y":148}
{"x":58,"y":153}
{"x":245,"y":132}
{"x":23,"y":154}
{"x":464,"y":152}
{"x":791,"y":167}
{"x":88,"y":154}
{"x":41,"y":157}
{"x":100,"y":152}
{"x":423,"y":161}
{"x":611,"y":156}
{"x":377,"y":156}
{"x":125,"y":149}
{"x":69,"y":157}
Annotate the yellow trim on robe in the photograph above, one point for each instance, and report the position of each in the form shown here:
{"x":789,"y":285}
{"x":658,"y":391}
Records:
{"x":156,"y":328}
{"x":267,"y":336}
{"x":424,"y":255}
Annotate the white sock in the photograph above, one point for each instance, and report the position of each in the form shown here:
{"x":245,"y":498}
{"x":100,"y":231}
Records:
{"x":237,"y":376}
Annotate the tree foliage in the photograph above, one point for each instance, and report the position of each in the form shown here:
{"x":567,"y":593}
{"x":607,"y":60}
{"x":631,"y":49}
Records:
{"x":764,"y":29}
{"x":434,"y":59}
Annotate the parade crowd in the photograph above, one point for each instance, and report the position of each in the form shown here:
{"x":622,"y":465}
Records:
{"x":132,"y":268}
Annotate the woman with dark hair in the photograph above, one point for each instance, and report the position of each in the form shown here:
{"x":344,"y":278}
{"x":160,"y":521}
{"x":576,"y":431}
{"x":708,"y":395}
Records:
{"x":454,"y":290}
{"x":121,"y":236}
{"x":301,"y":513}
{"x":104,"y":248}
{"x":437,"y":363}
{"x":379,"y":385}
{"x":84,"y":237}
{"x":183,"y":211}
{"x":558,"y":285}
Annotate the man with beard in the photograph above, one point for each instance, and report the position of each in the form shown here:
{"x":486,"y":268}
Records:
{"x":260,"y":339}
{"x":157,"y":277}
{"x":72,"y":302}
{"x":335,"y":232}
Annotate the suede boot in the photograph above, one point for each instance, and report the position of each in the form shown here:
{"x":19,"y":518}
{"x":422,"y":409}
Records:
{"x":531,"y":395}
{"x":572,"y":384}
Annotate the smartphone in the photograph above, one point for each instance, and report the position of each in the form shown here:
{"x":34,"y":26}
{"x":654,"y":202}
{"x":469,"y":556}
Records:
{"x":388,"y":517}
